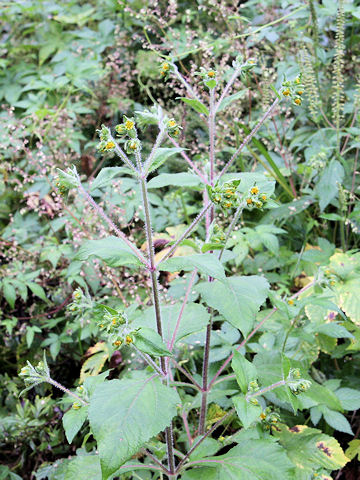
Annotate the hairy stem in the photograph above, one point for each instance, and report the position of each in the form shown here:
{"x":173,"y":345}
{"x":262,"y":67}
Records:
{"x":188,"y":87}
{"x":227,"y":88}
{"x":149,"y":361}
{"x":157,"y":144}
{"x":203,"y":408}
{"x":187,"y":293}
{"x":249,"y":137}
{"x":231,"y":227}
{"x":111,"y":224}
{"x":280,"y":383}
{"x":189,"y":161}
{"x":64,"y":389}
{"x":199,"y":442}
{"x":156,"y":296}
{"x":186,"y":233}
{"x":187,"y":374}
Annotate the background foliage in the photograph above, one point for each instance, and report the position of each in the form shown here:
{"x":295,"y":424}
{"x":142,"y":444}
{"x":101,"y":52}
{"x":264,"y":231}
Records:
{"x":66,"y":67}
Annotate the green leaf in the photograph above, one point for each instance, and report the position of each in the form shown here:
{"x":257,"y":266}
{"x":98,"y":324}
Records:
{"x":334,"y":330}
{"x":244,"y":370}
{"x":230,"y":99}
{"x":323,"y":396}
{"x":37,"y":290}
{"x":353,"y":449}
{"x":206,"y":263}
{"x":238,"y":299}
{"x":251,"y":460}
{"x":124,"y":414}
{"x":208,"y":447}
{"x":248,"y":179}
{"x":113,"y":250}
{"x":161,"y":155}
{"x":194,"y":319}
{"x":263,"y":150}
{"x":84,"y":467}
{"x":9,"y":293}
{"x":328,"y":185}
{"x":310,"y":449}
{"x":349,"y":299}
{"x":175,"y":179}
{"x":349,"y":398}
{"x":247,"y":412}
{"x":46,"y":50}
{"x":331,"y":216}
{"x":336,"y":420}
{"x":106,"y":175}
{"x":92,"y":381}
{"x":196,"y":105}
{"x":148,"y":341}
{"x":73,"y":420}
{"x":275,"y":91}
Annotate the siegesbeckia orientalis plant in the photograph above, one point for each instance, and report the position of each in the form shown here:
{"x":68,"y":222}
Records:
{"x":170,"y":413}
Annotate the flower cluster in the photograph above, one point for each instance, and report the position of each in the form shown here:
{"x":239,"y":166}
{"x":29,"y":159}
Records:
{"x":127,"y":128}
{"x":66,"y":180}
{"x":106,"y":143}
{"x":330,"y":277}
{"x":225,"y":195}
{"x":33,"y":376}
{"x":172,"y":128}
{"x":81,"y":301}
{"x":269,"y":418}
{"x":252,"y":388}
{"x":208,"y":76}
{"x":127,"y":132}
{"x":116,"y":325}
{"x":83,"y":394}
{"x":297,"y":384}
{"x":293,"y":89}
{"x":165,"y":69}
{"x":244,"y":65}
{"x":255,"y":198}
{"x":218,"y":235}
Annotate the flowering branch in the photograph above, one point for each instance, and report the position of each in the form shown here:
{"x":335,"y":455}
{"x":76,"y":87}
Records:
{"x":185,"y":234}
{"x":111,"y":224}
{"x":249,"y":137}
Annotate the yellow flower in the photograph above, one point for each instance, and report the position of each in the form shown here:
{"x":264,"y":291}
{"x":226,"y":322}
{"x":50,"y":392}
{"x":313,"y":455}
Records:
{"x":291,"y":302}
{"x":286,"y":92}
{"x":129,"y":125}
{"x":211,"y":74}
{"x":263,"y":197}
{"x":118,"y":343}
{"x":297,"y":101}
{"x":249,"y":201}
{"x":128,"y":339}
{"x":76,"y":406}
{"x":172,"y":123}
{"x":165,"y":66}
{"x":109,"y":146}
{"x":300,"y":92}
{"x":114,"y":321}
{"x":254,"y":190}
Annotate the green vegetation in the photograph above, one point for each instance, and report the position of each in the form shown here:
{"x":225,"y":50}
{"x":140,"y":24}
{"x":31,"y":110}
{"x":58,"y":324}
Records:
{"x":179,"y":223}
